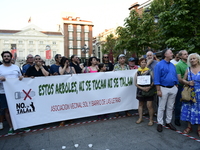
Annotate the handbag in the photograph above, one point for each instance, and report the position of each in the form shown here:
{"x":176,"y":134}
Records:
{"x":151,"y":92}
{"x":188,"y":93}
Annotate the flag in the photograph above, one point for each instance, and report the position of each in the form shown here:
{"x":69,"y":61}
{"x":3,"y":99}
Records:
{"x":29,"y":20}
{"x":48,"y":52}
{"x":14,"y":50}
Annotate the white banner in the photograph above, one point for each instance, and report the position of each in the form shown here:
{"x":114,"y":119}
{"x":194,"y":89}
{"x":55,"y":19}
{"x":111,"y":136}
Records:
{"x":50,"y":99}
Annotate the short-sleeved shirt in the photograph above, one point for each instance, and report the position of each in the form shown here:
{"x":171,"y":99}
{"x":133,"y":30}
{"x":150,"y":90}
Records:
{"x":54,"y":68}
{"x":25,"y":68}
{"x":12,"y":71}
{"x":118,"y":67}
{"x":76,"y":67}
{"x":152,"y":65}
{"x":181,"y":67}
{"x":33,"y":72}
{"x":109,"y":66}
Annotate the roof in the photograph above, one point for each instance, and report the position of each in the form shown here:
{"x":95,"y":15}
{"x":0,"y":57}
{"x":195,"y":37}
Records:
{"x":15,"y":31}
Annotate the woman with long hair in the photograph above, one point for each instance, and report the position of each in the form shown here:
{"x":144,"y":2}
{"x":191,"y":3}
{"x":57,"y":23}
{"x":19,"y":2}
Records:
{"x":65,"y":68}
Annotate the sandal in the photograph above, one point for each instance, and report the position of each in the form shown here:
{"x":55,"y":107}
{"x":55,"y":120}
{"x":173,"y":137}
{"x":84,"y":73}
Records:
{"x":128,"y":114}
{"x":150,"y":123}
{"x":198,"y":132}
{"x":187,"y":130}
{"x":117,"y":115}
{"x":139,"y":121}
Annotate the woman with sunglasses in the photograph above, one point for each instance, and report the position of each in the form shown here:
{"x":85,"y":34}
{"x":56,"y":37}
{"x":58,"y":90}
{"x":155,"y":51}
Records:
{"x":37,"y":69}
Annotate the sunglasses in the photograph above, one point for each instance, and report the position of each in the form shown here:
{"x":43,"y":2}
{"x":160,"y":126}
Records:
{"x":105,"y":57}
{"x":6,"y":56}
{"x":37,"y":58}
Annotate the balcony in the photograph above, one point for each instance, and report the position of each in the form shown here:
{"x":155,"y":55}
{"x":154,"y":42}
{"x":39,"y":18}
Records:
{"x":78,"y":38}
{"x":78,"y":30}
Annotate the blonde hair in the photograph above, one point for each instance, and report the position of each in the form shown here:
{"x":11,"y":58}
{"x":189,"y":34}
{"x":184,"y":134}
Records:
{"x":197,"y":56}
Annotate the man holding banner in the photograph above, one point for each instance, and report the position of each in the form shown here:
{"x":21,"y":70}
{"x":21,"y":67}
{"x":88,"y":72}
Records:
{"x":7,"y":70}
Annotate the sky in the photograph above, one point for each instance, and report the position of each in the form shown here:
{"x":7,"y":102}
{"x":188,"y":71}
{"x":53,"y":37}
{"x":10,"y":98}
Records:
{"x":46,"y":14}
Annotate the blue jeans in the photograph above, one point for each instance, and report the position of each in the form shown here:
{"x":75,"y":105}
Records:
{"x":178,"y":103}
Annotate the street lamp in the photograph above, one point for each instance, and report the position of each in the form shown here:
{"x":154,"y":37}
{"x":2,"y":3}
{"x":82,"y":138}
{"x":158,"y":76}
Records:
{"x":85,"y":49}
{"x":156,"y":18}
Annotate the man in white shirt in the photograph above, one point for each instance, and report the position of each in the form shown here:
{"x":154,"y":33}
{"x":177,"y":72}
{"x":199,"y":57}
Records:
{"x":176,"y":58}
{"x":7,"y":70}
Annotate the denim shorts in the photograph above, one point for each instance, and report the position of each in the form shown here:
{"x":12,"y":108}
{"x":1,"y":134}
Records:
{"x":3,"y":103}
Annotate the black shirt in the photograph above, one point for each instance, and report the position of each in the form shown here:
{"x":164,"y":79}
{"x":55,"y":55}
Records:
{"x":33,"y":72}
{"x":76,"y":67}
{"x":109,"y":66}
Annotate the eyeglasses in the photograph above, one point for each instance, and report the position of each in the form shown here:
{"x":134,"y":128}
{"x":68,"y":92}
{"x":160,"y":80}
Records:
{"x":30,"y":57}
{"x":6,"y":56}
{"x":105,"y":57}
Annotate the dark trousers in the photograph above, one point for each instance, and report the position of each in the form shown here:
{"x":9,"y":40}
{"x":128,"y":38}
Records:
{"x":178,"y":103}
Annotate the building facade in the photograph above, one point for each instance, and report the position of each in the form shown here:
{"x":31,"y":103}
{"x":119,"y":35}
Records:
{"x":77,"y":37}
{"x":31,"y":40}
{"x":139,"y":8}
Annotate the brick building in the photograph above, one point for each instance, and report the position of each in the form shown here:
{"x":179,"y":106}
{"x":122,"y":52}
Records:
{"x":77,"y":37}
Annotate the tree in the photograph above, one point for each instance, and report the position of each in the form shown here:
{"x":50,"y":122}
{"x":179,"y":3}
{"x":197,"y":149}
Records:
{"x":180,"y":25}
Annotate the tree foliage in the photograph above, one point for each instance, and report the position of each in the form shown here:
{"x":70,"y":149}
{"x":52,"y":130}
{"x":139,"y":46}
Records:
{"x":178,"y":27}
{"x":181,"y":25}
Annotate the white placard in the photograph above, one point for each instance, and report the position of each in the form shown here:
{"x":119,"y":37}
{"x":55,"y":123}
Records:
{"x":144,"y":80}
{"x":56,"y":98}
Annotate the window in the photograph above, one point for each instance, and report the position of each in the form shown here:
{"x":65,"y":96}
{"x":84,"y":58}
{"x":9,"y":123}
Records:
{"x":41,"y":42}
{"x":30,"y":42}
{"x":70,"y":27}
{"x":78,"y":44}
{"x":86,"y":42}
{"x":78,"y":28}
{"x":70,"y":35}
{"x":86,"y":28}
{"x":86,"y":36}
{"x":53,"y":42}
{"x":70,"y":44}
{"x":54,"y":53}
{"x":20,"y":42}
{"x":79,"y":53}
{"x":70,"y":52}
{"x":78,"y":36}
{"x":6,"y":41}
{"x":41,"y":53}
{"x":21,"y":54}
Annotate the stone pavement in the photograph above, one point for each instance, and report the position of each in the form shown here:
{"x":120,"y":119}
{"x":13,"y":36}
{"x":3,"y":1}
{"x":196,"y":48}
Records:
{"x":110,"y":134}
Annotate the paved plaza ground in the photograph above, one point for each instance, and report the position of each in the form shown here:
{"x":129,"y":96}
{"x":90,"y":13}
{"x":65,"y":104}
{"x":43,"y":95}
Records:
{"x":110,"y":134}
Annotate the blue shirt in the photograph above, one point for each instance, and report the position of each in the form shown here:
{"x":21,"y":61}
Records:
{"x":165,"y":74}
{"x":25,"y":68}
{"x":54,"y":68}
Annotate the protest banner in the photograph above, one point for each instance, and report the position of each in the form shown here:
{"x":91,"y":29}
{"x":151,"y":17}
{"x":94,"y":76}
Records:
{"x":56,"y":98}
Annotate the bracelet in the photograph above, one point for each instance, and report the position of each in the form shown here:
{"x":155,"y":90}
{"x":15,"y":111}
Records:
{"x":41,"y":67}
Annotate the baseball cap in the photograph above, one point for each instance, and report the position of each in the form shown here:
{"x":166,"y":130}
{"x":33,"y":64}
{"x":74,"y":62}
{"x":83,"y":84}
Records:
{"x":121,"y":55}
{"x":131,"y":59}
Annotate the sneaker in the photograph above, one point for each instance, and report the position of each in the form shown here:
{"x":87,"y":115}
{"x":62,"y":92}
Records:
{"x":26,"y":129}
{"x":11,"y":131}
{"x":1,"y":125}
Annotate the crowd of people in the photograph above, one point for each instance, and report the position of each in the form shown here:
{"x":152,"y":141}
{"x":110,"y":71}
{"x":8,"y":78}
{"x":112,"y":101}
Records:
{"x":159,"y":82}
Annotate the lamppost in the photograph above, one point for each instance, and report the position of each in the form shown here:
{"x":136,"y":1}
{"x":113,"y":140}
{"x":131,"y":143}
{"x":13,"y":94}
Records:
{"x":85,"y":50}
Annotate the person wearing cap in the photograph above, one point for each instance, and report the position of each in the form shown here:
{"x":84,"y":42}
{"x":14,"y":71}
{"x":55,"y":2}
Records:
{"x":109,"y":66}
{"x":121,"y":65}
{"x":132,"y":63}
{"x":166,"y":81}
{"x":29,"y":63}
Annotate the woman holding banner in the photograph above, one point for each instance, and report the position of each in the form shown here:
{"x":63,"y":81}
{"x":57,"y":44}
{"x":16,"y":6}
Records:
{"x":145,"y":90}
